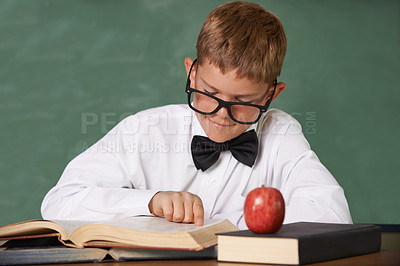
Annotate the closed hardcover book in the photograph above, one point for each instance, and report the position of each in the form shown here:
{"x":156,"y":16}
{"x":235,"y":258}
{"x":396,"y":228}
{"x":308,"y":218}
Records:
{"x":300,"y":243}
{"x":48,"y":250}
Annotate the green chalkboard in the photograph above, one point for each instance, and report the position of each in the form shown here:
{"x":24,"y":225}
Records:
{"x":71,"y":69}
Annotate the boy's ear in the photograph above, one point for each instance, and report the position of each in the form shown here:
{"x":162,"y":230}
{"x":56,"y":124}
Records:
{"x":188,"y":64}
{"x":280,"y":86}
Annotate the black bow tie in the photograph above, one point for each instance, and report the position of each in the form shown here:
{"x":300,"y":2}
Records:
{"x":244,"y":148}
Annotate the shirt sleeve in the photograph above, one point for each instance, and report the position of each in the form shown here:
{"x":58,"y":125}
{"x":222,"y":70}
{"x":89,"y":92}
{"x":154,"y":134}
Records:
{"x":310,"y":191}
{"x":104,"y":182}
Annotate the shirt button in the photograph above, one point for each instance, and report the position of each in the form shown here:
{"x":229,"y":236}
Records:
{"x":212,"y":181}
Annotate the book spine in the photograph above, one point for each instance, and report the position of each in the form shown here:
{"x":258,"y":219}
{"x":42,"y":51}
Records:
{"x":340,"y":245}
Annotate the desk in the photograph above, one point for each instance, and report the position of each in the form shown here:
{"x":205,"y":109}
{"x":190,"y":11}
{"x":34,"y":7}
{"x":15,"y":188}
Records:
{"x":383,"y":258}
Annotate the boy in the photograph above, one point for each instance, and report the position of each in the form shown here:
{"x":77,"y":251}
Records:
{"x":188,"y":162}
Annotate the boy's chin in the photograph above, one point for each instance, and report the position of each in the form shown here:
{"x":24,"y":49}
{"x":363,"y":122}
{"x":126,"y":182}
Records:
{"x":222,"y":135}
{"x":217,"y":133}
{"x":218,"y":138}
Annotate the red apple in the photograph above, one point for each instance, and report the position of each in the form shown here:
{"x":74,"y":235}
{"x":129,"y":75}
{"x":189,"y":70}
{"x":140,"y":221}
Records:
{"x":264,"y":210}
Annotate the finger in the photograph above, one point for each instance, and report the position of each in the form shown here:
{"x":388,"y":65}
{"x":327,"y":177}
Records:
{"x":188,"y":200}
{"x":198,"y":211}
{"x":178,"y":208}
{"x":167,"y":209}
{"x":153,"y":205}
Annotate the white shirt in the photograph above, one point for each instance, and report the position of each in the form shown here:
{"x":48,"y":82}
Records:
{"x":150,"y":152}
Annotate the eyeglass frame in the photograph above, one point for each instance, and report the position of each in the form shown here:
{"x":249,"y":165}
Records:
{"x":226,"y":104}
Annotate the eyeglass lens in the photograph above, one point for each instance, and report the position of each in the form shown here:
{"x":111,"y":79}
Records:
{"x":206,"y":104}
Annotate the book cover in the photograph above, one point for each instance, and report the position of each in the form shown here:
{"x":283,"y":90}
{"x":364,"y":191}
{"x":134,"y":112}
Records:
{"x":300,"y":243}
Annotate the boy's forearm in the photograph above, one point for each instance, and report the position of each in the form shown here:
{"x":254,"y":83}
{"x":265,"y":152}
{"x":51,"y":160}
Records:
{"x":309,"y":209}
{"x":104,"y":182}
{"x":94,"y":203}
{"x":310,"y":191}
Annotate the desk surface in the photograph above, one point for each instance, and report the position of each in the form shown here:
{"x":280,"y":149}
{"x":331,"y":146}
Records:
{"x":383,"y":258}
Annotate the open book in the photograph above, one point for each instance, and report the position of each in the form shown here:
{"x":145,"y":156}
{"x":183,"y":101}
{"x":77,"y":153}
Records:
{"x":132,"y":232}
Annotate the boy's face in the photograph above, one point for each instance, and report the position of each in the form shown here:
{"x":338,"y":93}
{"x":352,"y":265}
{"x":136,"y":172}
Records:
{"x":208,"y":78}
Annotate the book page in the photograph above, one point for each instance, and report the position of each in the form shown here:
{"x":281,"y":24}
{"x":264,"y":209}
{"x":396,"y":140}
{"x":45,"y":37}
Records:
{"x":158,"y":224}
{"x":146,"y":223}
{"x":70,"y":226}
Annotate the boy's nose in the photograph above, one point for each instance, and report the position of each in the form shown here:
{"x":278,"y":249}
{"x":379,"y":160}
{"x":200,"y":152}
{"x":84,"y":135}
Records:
{"x":223,"y":113}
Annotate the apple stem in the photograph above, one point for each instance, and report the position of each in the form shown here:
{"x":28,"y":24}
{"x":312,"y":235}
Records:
{"x":262,"y":185}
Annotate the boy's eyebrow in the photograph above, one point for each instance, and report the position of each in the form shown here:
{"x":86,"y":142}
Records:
{"x":212,"y":87}
{"x":208,"y":85}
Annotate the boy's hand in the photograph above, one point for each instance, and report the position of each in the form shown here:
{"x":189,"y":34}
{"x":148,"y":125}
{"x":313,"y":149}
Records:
{"x":179,"y":207}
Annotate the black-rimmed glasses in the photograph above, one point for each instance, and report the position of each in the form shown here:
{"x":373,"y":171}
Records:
{"x":206,"y":104}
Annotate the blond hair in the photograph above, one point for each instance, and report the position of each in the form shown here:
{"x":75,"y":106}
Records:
{"x":244,"y":37}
